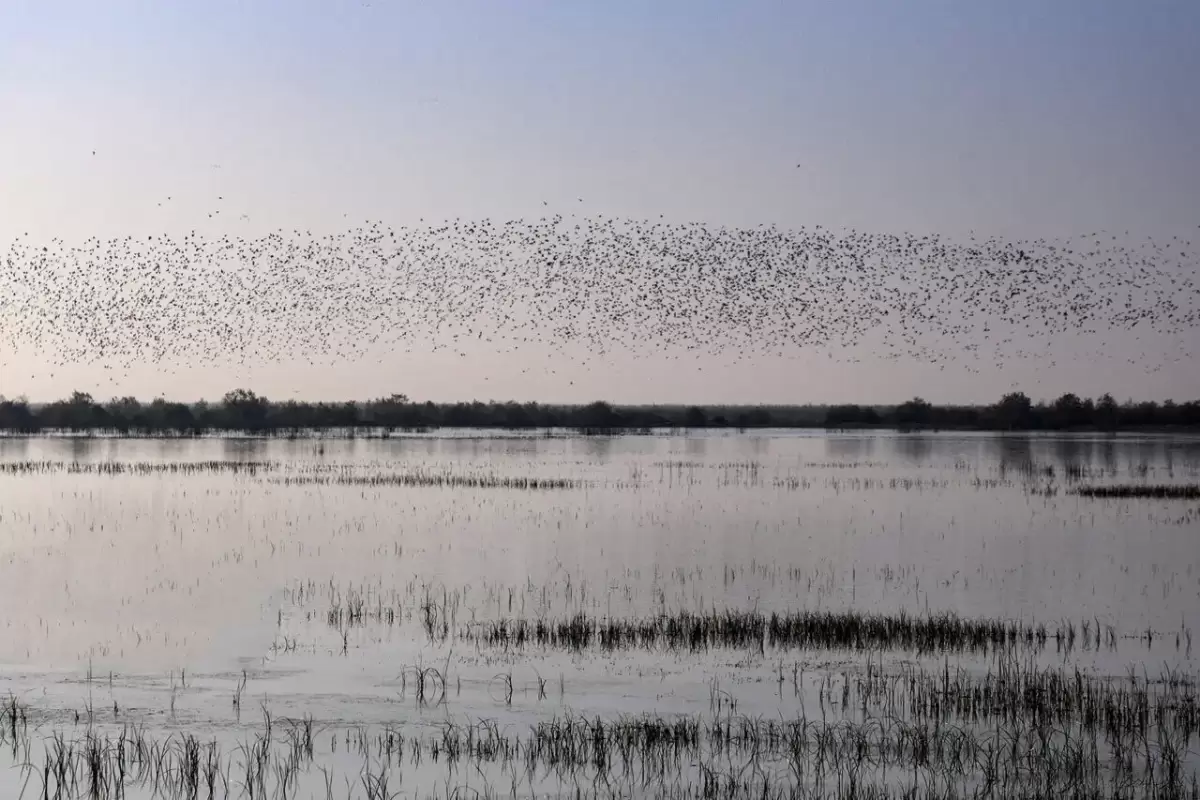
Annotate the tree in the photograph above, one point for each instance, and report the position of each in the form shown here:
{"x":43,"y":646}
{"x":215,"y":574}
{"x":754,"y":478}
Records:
{"x":392,"y":411}
{"x":517,"y":416}
{"x":759,"y":418}
{"x":695,"y":417}
{"x":15,"y":415}
{"x":1069,"y":411}
{"x":842,"y":415}
{"x":598,"y":415}
{"x":1106,"y":412}
{"x":914,"y":412}
{"x":125,"y":413}
{"x":77,"y":413}
{"x":1014,"y":412}
{"x":169,"y":416}
{"x":245,"y":410}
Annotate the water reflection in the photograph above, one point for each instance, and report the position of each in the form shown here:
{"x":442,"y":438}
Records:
{"x":916,"y":447}
{"x":760,"y":446}
{"x":1108,"y":455}
{"x":81,"y":448}
{"x":909,"y":509}
{"x":244,"y":449}
{"x":1014,"y":453}
{"x":849,"y":447}
{"x":1072,"y":454}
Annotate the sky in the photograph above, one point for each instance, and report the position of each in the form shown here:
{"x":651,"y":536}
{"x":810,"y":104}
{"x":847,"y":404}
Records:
{"x":1025,"y":118}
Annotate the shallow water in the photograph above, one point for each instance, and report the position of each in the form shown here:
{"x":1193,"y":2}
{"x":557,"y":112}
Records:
{"x":142,"y":579}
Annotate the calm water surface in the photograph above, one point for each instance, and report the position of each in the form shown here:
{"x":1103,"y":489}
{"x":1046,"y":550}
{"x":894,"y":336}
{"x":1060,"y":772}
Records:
{"x":147,"y":563}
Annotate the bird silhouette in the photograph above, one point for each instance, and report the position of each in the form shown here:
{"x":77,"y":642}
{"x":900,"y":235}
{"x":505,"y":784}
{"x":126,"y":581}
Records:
{"x":597,"y":284}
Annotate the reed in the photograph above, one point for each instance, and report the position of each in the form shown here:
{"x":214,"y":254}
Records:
{"x":1016,"y":731}
{"x":1190,"y":491}
{"x":420,"y":479}
{"x":756,"y":631}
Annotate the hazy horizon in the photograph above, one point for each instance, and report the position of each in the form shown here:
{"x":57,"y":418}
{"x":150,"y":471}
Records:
{"x":1019,"y":121}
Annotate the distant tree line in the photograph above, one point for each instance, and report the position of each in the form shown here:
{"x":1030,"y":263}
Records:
{"x":243,"y":410}
{"x":1016,"y":412}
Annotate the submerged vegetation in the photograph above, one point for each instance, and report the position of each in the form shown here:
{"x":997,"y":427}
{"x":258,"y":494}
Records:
{"x":242,"y":410}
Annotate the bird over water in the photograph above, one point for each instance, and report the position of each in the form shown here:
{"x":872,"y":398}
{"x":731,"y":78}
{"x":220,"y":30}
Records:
{"x":605,"y":283}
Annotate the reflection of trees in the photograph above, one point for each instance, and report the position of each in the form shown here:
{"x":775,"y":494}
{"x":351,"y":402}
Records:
{"x":849,"y":447}
{"x":1013,"y":452}
{"x":250,"y":449}
{"x":1108,"y":455}
{"x":598,"y":447}
{"x":759,"y":445}
{"x":1071,"y":454}
{"x":14,"y":448}
{"x":82,"y":448}
{"x":915,"y":447}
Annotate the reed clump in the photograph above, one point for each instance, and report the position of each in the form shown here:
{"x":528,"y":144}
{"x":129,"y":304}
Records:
{"x":1189,"y":491}
{"x":421,"y":479}
{"x":1016,"y":731}
{"x":295,"y":475}
{"x":137,"y":467}
{"x":753,"y":630}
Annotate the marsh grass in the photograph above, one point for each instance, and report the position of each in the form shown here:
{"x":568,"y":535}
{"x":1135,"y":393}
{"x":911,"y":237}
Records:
{"x":435,"y":480}
{"x":756,"y":631}
{"x":723,"y":756}
{"x":136,"y":468}
{"x":1190,"y":491}
{"x":1014,"y":730}
{"x":319,"y":474}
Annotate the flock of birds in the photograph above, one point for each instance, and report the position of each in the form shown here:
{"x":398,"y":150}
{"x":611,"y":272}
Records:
{"x":594,"y":285}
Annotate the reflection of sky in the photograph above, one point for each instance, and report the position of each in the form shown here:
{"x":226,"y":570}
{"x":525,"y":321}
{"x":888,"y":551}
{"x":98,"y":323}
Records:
{"x":700,"y":521}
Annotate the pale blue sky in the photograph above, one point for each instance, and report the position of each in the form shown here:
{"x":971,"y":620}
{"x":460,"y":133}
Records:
{"x":1023,"y":118}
